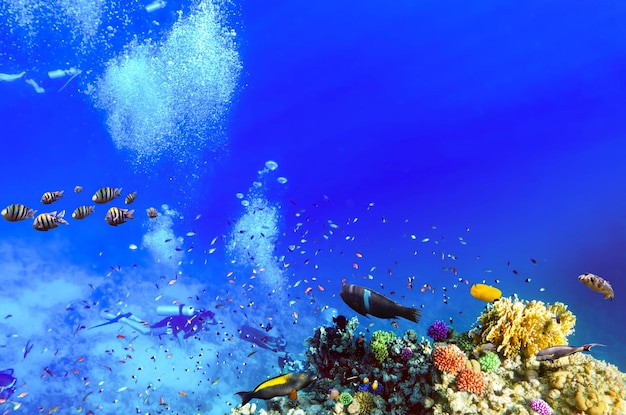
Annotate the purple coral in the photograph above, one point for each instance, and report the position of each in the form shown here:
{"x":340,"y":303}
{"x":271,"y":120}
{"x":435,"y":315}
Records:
{"x":541,"y":407}
{"x":406,"y":353}
{"x":438,"y":331}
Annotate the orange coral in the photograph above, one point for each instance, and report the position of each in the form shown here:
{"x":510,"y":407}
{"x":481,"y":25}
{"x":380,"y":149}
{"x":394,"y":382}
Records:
{"x":449,"y":358}
{"x":471,"y":381}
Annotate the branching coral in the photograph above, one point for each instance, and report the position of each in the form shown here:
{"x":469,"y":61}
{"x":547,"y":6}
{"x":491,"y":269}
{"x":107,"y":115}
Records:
{"x":525,"y":327}
{"x":470,"y":381}
{"x":449,"y":358}
{"x":380,"y":342}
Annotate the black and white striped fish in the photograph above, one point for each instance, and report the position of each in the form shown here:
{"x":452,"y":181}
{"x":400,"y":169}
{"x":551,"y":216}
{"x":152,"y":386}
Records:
{"x":46,"y":221}
{"x":82,"y":212}
{"x":130,"y":198}
{"x":50,"y":197}
{"x":17,"y":212}
{"x":116,"y":216}
{"x":106,"y":194}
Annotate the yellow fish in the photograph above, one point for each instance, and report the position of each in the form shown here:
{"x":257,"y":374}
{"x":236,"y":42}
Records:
{"x":597,"y":284}
{"x":282,"y":385}
{"x":485,"y":292}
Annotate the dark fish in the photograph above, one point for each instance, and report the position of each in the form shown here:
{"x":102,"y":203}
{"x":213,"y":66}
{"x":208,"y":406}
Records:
{"x":557,"y":352}
{"x":116,"y":216}
{"x":27,"y":348}
{"x":6,"y":379}
{"x":365,"y":301}
{"x":282,"y":385}
{"x":341,"y":322}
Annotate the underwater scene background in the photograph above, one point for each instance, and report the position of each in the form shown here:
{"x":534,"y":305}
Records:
{"x":291,"y":148}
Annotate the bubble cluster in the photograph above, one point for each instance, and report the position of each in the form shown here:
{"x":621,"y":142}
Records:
{"x":169,"y":98}
{"x":160,"y":238}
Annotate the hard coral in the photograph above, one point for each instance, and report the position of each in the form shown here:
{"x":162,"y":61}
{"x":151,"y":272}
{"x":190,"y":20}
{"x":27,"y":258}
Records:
{"x":345,"y":398}
{"x":449,"y":358}
{"x":406,"y":353}
{"x":366,"y":402}
{"x":471,"y":381}
{"x":489,"y":362}
{"x":379,"y":344}
{"x":525,"y":327}
{"x":541,"y":407}
{"x":438,"y":331}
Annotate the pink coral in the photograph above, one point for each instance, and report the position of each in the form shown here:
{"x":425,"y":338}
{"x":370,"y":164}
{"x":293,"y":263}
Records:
{"x":471,"y":381}
{"x":449,"y":358}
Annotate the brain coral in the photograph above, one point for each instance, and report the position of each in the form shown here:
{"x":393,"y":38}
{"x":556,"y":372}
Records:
{"x":449,"y":358}
{"x":471,"y":381}
{"x":525,"y":327}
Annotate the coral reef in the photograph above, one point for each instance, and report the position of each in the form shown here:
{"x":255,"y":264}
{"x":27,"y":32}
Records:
{"x":380,"y":344}
{"x":471,"y":381}
{"x":540,"y":406}
{"x":489,"y":362}
{"x":438,"y":331}
{"x":449,"y":358}
{"x":414,"y":378}
{"x":525,"y":327}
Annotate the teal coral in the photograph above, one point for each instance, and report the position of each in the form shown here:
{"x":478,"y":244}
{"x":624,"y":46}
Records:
{"x":345,"y":398}
{"x":489,"y":362}
{"x":380,"y":344}
{"x":464,"y":342}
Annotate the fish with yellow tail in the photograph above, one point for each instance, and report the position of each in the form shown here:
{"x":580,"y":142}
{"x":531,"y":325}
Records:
{"x":116,"y":216}
{"x":365,"y":301}
{"x":597,"y":284}
{"x":47,"y":221}
{"x":556,"y":352}
{"x":282,"y":385}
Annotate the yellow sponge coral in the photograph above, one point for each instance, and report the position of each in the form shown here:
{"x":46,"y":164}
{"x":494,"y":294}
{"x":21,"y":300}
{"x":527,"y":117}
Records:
{"x":516,"y":326}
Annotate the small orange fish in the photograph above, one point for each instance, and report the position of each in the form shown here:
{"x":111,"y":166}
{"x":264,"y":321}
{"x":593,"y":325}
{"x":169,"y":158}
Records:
{"x":21,"y":395}
{"x":355,"y":266}
{"x":308,"y":290}
{"x":295,"y":314}
{"x":319,"y":287}
{"x":181,"y":393}
{"x":162,"y":401}
{"x":359,"y":255}
{"x":121,"y":336}
{"x":395,"y":324}
{"x":80,"y":359}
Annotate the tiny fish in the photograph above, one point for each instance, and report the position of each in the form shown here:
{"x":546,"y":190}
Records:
{"x":78,"y":189}
{"x":152,"y":213}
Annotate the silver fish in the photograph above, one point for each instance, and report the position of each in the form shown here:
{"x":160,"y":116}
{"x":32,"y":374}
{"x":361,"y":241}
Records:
{"x":597,"y":284}
{"x":557,"y":352}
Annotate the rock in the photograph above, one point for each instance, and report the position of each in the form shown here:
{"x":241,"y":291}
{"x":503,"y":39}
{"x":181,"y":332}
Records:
{"x":354,"y":408}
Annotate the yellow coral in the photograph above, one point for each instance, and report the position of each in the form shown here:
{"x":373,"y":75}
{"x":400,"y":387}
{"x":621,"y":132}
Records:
{"x":524,"y":327}
{"x":366,"y":402}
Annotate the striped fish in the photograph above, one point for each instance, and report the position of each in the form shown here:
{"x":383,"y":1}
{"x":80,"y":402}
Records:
{"x":47,"y":221}
{"x":17,"y":212}
{"x":82,"y":212}
{"x":50,"y":197}
{"x":130,"y":198}
{"x":106,"y":194}
{"x":116,"y":216}
{"x":152,"y":213}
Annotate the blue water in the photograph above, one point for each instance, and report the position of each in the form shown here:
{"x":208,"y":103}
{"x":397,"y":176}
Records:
{"x":493,"y":130}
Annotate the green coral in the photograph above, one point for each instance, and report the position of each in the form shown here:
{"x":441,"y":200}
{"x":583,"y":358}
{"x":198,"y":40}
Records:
{"x":519,"y":327}
{"x":345,"y":398}
{"x":379,"y":344}
{"x":489,"y":362}
{"x":366,"y":402}
{"x":464,"y":342}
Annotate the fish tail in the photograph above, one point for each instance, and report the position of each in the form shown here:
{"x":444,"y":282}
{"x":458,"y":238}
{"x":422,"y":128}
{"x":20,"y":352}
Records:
{"x":245,"y":397}
{"x":587,"y":347}
{"x":410,"y":313}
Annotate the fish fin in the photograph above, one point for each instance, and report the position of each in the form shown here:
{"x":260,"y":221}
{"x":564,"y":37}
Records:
{"x":412,"y":314}
{"x":587,"y":347}
{"x":293,"y":395}
{"x":129,"y":214}
{"x":245,"y":397}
